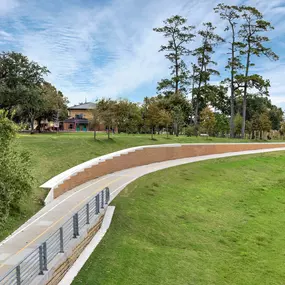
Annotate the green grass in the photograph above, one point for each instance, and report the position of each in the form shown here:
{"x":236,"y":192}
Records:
{"x":54,"y":153}
{"x":213,"y":222}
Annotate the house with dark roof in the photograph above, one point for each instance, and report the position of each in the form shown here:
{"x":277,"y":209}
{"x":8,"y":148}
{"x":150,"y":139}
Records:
{"x":79,"y":118}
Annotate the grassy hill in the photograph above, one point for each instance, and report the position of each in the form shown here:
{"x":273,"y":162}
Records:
{"x":215,"y":222}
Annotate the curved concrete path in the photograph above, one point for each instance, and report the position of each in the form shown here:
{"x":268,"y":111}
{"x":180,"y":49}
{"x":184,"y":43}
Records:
{"x":35,"y":231}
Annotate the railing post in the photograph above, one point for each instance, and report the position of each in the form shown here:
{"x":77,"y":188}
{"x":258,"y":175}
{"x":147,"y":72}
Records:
{"x":18,"y":274}
{"x":107,"y":195}
{"x":61,"y":249}
{"x":102,"y":199}
{"x":87,"y":214}
{"x":97,"y":204}
{"x":45,"y":256}
{"x":75,"y":226}
{"x":41,"y":260}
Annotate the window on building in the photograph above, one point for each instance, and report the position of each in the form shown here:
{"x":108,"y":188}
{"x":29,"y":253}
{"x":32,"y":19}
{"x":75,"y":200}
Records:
{"x":79,"y":116}
{"x":70,"y":126}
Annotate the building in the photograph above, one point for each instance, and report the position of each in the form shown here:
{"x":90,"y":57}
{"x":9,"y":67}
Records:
{"x":79,"y":118}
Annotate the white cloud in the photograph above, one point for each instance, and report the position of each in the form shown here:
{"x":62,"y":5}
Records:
{"x":110,"y":49}
{"x":5,"y":37}
{"x":7,"y":5}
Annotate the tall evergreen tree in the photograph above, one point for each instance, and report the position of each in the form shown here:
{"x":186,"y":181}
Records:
{"x":253,"y":39}
{"x":179,"y":34}
{"x":231,"y":14}
{"x":204,"y":62}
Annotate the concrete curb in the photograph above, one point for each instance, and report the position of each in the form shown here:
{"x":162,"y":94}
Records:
{"x":76,"y":267}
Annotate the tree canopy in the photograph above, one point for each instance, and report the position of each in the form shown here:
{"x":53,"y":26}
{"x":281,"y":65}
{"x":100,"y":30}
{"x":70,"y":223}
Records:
{"x":25,"y":93}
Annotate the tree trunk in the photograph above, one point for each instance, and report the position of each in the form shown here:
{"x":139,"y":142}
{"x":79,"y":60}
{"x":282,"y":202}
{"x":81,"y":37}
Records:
{"x":243,"y":112}
{"x":32,"y":124}
{"x":94,"y":134}
{"x":152,"y":133}
{"x":199,"y":89}
{"x":166,"y":131}
{"x":245,"y":92}
{"x":232,"y":126}
{"x":39,"y":125}
{"x":175,"y":127}
{"x":108,"y":132}
{"x":193,"y":86}
{"x":176,"y":67}
{"x":176,"y":74}
{"x":197,"y":109}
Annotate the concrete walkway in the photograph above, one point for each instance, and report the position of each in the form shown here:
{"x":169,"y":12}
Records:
{"x":35,"y":231}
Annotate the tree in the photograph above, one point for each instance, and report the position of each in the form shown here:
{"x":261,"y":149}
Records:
{"x":18,"y":78}
{"x":151,"y":114}
{"x":216,"y":96}
{"x":261,"y":123}
{"x":15,"y":170}
{"x":53,"y":104}
{"x":194,"y":77}
{"x":265,"y":123}
{"x":128,"y":116}
{"x":165,"y":119}
{"x":173,"y":102}
{"x":204,"y":62}
{"x":231,"y":14}
{"x":249,"y":129}
{"x":178,"y":119}
{"x":258,"y":105}
{"x":253,"y":38}
{"x":255,"y":124}
{"x":32,"y":106}
{"x":282,"y":128}
{"x":179,"y":35}
{"x":238,"y":124}
{"x":276,"y":117}
{"x":255,"y":104}
{"x":208,"y":120}
{"x":107,"y":110}
{"x":222,"y":124}
{"x":20,"y":85}
{"x":95,"y":122}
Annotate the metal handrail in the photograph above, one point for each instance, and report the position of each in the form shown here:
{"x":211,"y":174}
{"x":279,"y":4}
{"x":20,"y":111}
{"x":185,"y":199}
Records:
{"x":37,"y":262}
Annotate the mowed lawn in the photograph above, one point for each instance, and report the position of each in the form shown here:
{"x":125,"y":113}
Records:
{"x":53,"y":153}
{"x":213,"y":222}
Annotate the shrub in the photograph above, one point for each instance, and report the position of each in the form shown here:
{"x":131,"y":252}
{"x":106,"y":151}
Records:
{"x":190,"y":131}
{"x":15,"y":170}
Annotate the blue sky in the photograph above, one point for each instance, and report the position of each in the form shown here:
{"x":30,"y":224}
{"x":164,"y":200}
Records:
{"x":108,"y":49}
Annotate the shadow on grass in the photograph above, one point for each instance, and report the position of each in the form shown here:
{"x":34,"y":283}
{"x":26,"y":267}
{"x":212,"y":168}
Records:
{"x":104,"y":141}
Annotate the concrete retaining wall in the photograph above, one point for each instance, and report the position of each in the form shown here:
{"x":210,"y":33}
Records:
{"x":138,"y":156}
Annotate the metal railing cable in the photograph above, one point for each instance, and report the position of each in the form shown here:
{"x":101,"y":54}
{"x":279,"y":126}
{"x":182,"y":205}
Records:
{"x":37,"y":262}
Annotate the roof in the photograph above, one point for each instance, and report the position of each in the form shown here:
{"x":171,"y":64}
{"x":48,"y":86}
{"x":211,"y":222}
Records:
{"x":83,"y":106}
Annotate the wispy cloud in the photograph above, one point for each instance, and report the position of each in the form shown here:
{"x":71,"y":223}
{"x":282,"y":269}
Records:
{"x":7,"y":5}
{"x":100,"y":48}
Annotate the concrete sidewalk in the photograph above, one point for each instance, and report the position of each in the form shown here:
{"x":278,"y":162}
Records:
{"x":35,"y":231}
